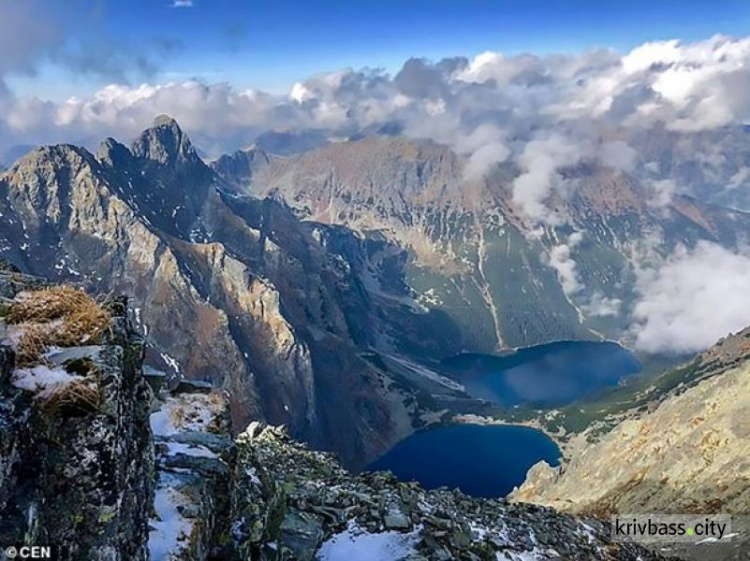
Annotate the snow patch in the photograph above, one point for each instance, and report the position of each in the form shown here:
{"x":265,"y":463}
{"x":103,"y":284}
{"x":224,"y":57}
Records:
{"x":186,"y":413}
{"x":170,"y":530}
{"x":534,"y":555}
{"x":42,"y":380}
{"x":357,"y":543}
{"x":195,"y":450}
{"x":171,"y":362}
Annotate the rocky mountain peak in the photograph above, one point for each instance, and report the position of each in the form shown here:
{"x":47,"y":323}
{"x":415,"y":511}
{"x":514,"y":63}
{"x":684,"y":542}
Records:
{"x":165,"y":120}
{"x":58,"y":153}
{"x":165,"y":143}
{"x":238,"y":167}
{"x":46,"y":173}
{"x":112,"y":153}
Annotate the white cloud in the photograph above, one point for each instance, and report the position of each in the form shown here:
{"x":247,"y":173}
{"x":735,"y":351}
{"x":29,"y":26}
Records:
{"x":662,"y":192}
{"x":600,"y":305}
{"x":561,"y":260}
{"x":618,"y":154}
{"x":541,"y":159}
{"x":483,"y":158}
{"x":696,"y":297}
{"x":181,"y":4}
{"x":542,"y":113}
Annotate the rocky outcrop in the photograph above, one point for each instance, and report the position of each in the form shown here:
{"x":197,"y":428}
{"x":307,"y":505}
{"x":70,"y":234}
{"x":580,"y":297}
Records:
{"x":687,"y":449}
{"x":267,"y":497}
{"x":75,"y":460}
{"x":293,"y":503}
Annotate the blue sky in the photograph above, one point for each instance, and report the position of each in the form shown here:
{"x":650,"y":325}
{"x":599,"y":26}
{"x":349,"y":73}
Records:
{"x":270,"y":44}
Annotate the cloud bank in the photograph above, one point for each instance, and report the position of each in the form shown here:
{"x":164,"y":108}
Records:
{"x":542,"y":113}
{"x":693,"y":299}
{"x":546,"y":111}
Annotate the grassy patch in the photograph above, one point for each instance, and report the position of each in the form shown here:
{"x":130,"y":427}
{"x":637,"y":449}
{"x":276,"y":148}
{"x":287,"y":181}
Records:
{"x":74,"y":398}
{"x":60,"y":316}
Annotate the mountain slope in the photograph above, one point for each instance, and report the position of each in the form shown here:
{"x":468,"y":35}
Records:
{"x":685,"y":451}
{"x":504,"y":279}
{"x":229,"y":289}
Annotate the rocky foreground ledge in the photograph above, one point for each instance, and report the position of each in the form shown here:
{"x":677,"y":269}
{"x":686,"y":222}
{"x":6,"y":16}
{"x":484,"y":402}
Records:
{"x":102,"y":462}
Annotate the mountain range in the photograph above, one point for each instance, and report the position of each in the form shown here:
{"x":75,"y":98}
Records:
{"x":473,"y":252}
{"x":329,"y":284}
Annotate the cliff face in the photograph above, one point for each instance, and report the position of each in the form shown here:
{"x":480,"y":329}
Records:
{"x":228,"y":288}
{"x":75,"y":460}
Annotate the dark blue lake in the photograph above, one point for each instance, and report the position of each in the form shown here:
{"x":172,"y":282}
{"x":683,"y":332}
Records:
{"x":548,"y":375}
{"x":481,"y":460}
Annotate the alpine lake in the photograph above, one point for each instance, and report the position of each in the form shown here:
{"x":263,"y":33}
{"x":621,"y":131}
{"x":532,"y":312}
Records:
{"x":490,"y":460}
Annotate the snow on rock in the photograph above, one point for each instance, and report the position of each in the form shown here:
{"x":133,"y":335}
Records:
{"x":13,"y":335}
{"x":170,"y":529}
{"x":187,"y":412}
{"x":356,"y":543}
{"x":535,"y":555}
{"x":196,"y":450}
{"x":43,"y":380}
{"x":187,"y":470}
{"x":171,"y":362}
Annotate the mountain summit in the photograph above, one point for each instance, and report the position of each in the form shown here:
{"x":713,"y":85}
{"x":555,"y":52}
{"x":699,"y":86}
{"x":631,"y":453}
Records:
{"x":166,"y":144}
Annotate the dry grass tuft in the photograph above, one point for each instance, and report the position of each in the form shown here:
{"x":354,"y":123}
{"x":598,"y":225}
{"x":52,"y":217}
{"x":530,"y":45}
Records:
{"x":76,"y":397}
{"x":31,"y":346}
{"x":60,"y":316}
{"x":49,"y":304}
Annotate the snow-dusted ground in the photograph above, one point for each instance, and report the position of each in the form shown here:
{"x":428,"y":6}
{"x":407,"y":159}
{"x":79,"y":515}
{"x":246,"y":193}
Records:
{"x":42,"y":380}
{"x":171,"y":530}
{"x":536,"y":555}
{"x":356,"y":543}
{"x":187,"y":412}
{"x":174,"y":448}
{"x":176,"y":487}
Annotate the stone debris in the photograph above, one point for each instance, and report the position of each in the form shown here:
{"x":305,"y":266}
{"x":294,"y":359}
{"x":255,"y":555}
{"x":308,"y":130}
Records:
{"x":310,"y":508}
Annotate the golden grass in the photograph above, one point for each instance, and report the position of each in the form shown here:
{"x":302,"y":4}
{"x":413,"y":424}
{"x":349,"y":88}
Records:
{"x":48,"y":304}
{"x":78,"y":396}
{"x":60,"y":316}
{"x":31,"y":346}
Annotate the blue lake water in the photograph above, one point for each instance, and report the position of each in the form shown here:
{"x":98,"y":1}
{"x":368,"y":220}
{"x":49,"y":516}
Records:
{"x":548,"y":375}
{"x":488,"y":461}
{"x":481,"y":460}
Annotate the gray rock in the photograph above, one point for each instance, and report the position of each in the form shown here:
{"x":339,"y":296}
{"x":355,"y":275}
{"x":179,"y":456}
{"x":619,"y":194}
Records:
{"x":79,"y":478}
{"x":192,"y":386}
{"x":301,"y":534}
{"x":396,"y":521}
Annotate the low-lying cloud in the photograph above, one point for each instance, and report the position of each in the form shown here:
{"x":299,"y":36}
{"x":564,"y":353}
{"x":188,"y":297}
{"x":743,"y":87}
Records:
{"x":693,"y":299}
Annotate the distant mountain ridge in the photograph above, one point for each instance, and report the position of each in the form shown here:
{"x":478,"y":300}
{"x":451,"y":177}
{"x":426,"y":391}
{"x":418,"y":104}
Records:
{"x":505,"y":280}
